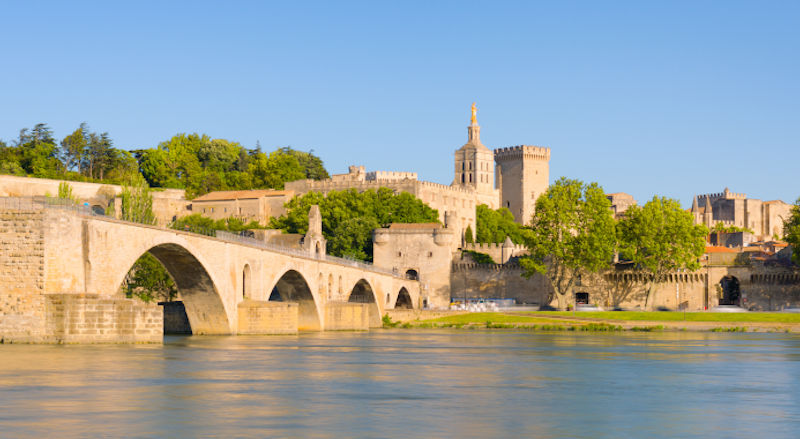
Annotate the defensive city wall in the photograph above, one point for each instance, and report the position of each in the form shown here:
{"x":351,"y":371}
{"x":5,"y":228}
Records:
{"x":761,"y":288}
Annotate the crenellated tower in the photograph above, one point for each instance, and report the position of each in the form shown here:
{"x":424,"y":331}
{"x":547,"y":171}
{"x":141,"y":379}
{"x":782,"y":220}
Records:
{"x":523,"y":173}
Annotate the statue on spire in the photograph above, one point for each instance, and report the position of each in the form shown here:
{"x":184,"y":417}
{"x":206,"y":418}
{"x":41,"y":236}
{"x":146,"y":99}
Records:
{"x":474,"y":112}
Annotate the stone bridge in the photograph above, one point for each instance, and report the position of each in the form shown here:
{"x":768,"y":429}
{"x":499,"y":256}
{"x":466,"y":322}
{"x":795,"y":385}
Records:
{"x":227,"y":287}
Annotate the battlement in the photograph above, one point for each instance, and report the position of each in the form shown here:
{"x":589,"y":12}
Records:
{"x":522,"y":151}
{"x":390,"y":175}
{"x":486,"y":267}
{"x":489,"y":247}
{"x":727,"y":195}
{"x":459,"y":189}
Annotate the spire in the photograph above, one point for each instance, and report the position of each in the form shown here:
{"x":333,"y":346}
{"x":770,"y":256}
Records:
{"x":474,"y":130}
{"x":708,"y":204}
{"x":694,"y":204}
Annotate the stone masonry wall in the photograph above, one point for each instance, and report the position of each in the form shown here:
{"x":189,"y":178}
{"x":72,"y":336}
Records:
{"x":86,"y":318}
{"x":495,"y":281}
{"x":22,"y":308}
{"x":263,"y":317}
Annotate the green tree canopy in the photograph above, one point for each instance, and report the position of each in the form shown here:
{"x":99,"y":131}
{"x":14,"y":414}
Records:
{"x":493,"y":226}
{"x":660,"y":237}
{"x":349,"y":217}
{"x":572,"y":233}
{"x":791,"y":231}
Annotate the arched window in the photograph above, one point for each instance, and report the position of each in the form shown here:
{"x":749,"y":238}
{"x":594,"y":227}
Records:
{"x":412,"y":274}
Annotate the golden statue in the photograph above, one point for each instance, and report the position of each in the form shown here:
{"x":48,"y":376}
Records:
{"x":474,"y":112}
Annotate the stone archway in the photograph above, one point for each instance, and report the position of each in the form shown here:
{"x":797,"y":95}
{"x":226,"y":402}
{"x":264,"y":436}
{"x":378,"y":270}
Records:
{"x":292,"y":287}
{"x":403,"y":300}
{"x":731,"y":294}
{"x":201,"y":300}
{"x":362,"y":292}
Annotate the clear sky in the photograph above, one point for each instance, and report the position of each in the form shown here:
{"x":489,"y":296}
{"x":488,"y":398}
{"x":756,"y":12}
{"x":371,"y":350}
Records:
{"x":670,"y":98}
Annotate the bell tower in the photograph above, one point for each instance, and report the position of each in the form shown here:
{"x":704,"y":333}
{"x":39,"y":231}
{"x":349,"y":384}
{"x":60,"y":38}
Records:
{"x":474,"y":165}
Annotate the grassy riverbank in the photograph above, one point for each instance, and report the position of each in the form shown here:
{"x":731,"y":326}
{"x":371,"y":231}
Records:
{"x":606,"y":321}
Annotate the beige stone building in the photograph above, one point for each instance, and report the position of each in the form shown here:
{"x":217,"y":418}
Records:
{"x":508,"y":177}
{"x":620,"y":202}
{"x":421,"y":252}
{"x":764,"y":218}
{"x":253,"y":205}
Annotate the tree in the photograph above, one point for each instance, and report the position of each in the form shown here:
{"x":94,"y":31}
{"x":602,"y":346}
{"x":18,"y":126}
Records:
{"x":660,"y":238}
{"x":496,"y":225}
{"x":148,"y":280}
{"x":469,"y":238}
{"x":275,"y":170}
{"x":65,"y":192}
{"x":349,"y":217}
{"x":791,"y":231}
{"x":137,"y":202}
{"x":73,"y":148}
{"x":572,"y":233}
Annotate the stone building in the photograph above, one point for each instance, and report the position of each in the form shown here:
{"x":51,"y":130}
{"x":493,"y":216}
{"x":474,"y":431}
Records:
{"x":620,"y":202}
{"x":253,"y":205}
{"x":764,"y":218}
{"x":518,"y":175}
{"x":420,"y":251}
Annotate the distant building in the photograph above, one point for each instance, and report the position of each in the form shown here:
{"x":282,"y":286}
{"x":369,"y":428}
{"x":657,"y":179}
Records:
{"x":254,"y":205}
{"x":764,"y":218}
{"x":620,"y":202}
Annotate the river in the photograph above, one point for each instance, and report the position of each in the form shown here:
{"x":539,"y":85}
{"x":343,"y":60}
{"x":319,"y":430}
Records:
{"x":409,"y":384}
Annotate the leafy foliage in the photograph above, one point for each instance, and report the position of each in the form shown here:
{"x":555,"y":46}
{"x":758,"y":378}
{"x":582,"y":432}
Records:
{"x":349,"y":217}
{"x":478,"y":257}
{"x":721,"y":227}
{"x":496,"y":225}
{"x":194,"y":162}
{"x":137,"y":202}
{"x":660,"y":238}
{"x":572,"y":233}
{"x":197,"y":221}
{"x":148,"y":280}
{"x":65,"y":192}
{"x":791,"y":231}
{"x":469,"y":237}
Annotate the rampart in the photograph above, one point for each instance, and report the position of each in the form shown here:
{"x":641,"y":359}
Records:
{"x":520,"y":151}
{"x":495,"y":250}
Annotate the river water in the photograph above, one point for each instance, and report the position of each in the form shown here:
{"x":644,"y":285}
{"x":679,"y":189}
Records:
{"x":407,"y":383}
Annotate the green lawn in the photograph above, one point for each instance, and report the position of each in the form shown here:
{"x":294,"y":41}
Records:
{"x":494,"y":317}
{"x":753,"y":317}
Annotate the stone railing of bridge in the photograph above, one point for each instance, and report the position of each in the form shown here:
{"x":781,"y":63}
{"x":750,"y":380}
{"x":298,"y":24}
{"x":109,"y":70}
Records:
{"x":39,"y":203}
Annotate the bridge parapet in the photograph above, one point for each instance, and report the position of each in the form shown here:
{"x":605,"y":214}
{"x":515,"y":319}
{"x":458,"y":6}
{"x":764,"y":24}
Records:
{"x":39,"y":203}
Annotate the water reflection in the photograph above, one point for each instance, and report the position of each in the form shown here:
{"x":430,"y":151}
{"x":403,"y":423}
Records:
{"x":408,"y":384}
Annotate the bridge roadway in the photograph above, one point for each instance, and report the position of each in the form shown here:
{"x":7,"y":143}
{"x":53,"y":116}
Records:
{"x":91,"y":255}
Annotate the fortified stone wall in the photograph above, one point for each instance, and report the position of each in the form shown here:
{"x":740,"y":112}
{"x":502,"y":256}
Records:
{"x":495,"y":250}
{"x":496,"y":281}
{"x":420,"y":251}
{"x":167,"y":203}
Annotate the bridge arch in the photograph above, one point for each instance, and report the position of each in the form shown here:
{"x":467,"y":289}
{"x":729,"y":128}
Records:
{"x":198,"y":291}
{"x":403,"y":300}
{"x":293,"y":287}
{"x":363,"y":292}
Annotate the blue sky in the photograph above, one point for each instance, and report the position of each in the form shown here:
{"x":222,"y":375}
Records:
{"x":668,"y":98}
